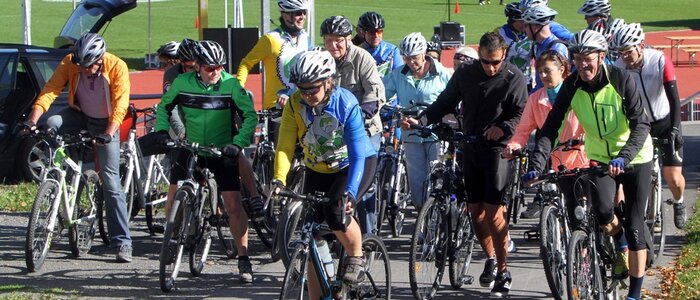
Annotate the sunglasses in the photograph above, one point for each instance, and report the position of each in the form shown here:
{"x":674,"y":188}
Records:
{"x":490,"y":62}
{"x":313,"y":90}
{"x":213,"y":68}
{"x":462,"y":57}
{"x":375,"y":31}
{"x":297,"y":13}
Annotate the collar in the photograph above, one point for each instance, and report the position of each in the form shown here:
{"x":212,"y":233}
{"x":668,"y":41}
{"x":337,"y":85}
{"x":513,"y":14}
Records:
{"x":603,"y":80}
{"x":433,"y":71}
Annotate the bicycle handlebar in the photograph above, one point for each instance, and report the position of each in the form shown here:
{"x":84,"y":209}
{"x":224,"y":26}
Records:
{"x":317,"y":198}
{"x":194,"y":147}
{"x":554,"y":176}
{"x":446,"y":133}
{"x":68,"y":139}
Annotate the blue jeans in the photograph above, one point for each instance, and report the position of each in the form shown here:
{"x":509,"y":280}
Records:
{"x":418,"y":158}
{"x":72,"y":121}
{"x":367,"y":208}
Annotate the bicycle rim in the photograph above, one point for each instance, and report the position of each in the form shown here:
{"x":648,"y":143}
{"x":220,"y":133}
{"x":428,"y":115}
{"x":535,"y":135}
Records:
{"x":174,"y":238}
{"x":201,"y":239}
{"x":295,"y":277}
{"x":425,"y":266}
{"x":39,"y":236}
{"x":84,"y":212}
{"x":292,"y":230}
{"x":377,"y":283}
{"x":400,"y":198}
{"x":223,"y":231}
{"x":462,"y":249}
{"x":581,"y":269}
{"x":552,"y":250}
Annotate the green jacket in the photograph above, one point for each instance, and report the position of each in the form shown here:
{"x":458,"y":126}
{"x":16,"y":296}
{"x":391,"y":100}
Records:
{"x":209,"y":111}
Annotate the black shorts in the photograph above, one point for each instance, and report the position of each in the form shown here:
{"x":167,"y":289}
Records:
{"x":333,"y":186}
{"x":225,"y":169}
{"x":668,"y":156}
{"x":485,"y":174}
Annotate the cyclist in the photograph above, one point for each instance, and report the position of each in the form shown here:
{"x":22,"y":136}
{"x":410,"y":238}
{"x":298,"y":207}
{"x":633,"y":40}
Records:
{"x":653,"y":71}
{"x":356,"y":71}
{"x":493,"y":93}
{"x":537,"y":26}
{"x":596,"y":10}
{"x":519,"y":46}
{"x":98,"y":97}
{"x":434,"y":50}
{"x":557,"y":29}
{"x":464,"y":55}
{"x":167,"y":54}
{"x":185,"y":54}
{"x":422,"y":79}
{"x":386,"y":55}
{"x":608,"y":105}
{"x":553,"y":69}
{"x":208,"y":99}
{"x":327,"y":121}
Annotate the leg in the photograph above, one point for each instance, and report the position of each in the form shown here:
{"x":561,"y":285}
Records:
{"x":675,"y":180}
{"x":481,"y":228}
{"x":245,"y":169}
{"x":498,"y":229}
{"x":367,"y":208}
{"x":237,"y":220}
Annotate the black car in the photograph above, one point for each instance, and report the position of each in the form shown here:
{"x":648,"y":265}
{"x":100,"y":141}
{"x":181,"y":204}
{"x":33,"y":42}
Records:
{"x":23,"y":72}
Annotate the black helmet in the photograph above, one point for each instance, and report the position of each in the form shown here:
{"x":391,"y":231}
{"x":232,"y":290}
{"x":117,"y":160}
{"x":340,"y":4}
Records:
{"x":434,"y":46}
{"x":371,"y":21}
{"x":186,"y":50}
{"x":210,"y":53}
{"x":336,"y":25}
{"x":513,"y":11}
{"x":88,"y":49}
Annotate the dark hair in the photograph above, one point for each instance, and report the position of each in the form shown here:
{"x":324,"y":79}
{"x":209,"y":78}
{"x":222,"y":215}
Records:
{"x":492,"y":42}
{"x":556,"y":57}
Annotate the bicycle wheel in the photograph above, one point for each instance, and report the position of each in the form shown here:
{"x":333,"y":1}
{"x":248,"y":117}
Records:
{"x":462,"y":249}
{"x":81,"y":234}
{"x":426,"y":259}
{"x":553,"y":250}
{"x":130,"y":193}
{"x":201,"y":237}
{"x":174,"y":239}
{"x":156,"y":194}
{"x":655,"y":222}
{"x":101,"y":216}
{"x":294,"y":284}
{"x":582,"y":275}
{"x":377,"y":283}
{"x":292,"y":230}
{"x":39,"y":236}
{"x":223,"y":231}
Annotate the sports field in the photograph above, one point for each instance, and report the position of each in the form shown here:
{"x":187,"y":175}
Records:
{"x":127,"y":36}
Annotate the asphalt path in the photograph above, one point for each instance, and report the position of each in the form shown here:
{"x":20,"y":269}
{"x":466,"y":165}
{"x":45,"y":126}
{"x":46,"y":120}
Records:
{"x":97,"y":275}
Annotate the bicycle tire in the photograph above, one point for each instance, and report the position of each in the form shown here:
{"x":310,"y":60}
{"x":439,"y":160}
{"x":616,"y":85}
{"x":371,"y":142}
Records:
{"x":80,"y":236}
{"x":130,"y":195}
{"x":294,"y":282}
{"x":462,"y":248}
{"x":583,"y":279}
{"x":377,"y":283}
{"x":551,"y":245}
{"x":201,"y":239}
{"x":292,"y":230}
{"x":158,"y":189}
{"x":101,"y":216}
{"x":39,"y":237}
{"x":423,"y":255}
{"x":655,"y":217}
{"x":401,"y":201}
{"x":173,"y":245}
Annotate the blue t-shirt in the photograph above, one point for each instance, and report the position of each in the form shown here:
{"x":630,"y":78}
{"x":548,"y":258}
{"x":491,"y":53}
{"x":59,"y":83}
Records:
{"x":386,"y":55}
{"x":553,"y":43}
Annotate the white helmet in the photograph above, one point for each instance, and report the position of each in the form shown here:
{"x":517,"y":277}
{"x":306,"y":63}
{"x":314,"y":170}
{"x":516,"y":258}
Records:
{"x":169,"y":49}
{"x":540,"y":15}
{"x":525,"y":4}
{"x":413,"y":44}
{"x":88,"y":49}
{"x":592,"y":8}
{"x":292,"y":5}
{"x":615,"y":26}
{"x":311,"y":66}
{"x":630,"y":35}
{"x":587,"y":41}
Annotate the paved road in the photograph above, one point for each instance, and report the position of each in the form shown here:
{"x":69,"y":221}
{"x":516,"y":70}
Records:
{"x":97,"y":276}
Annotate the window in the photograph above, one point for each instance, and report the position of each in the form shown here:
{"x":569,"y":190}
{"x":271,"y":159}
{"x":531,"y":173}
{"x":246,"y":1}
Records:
{"x":8,"y":64}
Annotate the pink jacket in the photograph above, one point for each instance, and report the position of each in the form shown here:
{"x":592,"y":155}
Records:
{"x":534,"y":115}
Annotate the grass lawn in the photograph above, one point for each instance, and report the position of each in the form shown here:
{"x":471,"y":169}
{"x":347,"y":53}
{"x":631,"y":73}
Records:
{"x":18,"y":292}
{"x":127,"y":36}
{"x":681,"y":280}
{"x":19,"y":197}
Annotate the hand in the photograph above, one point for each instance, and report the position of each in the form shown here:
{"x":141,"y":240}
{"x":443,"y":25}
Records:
{"x":102,"y":139}
{"x":677,"y":138}
{"x":530,"y":176}
{"x":616,"y":166}
{"x":282,"y":100}
{"x":349,"y":203}
{"x":494,"y":133}
{"x":181,"y":136}
{"x":26,"y":127}
{"x":161,"y":137}
{"x":407,"y":122}
{"x":509,"y":149}
{"x":231,"y":151}
{"x":277,"y":186}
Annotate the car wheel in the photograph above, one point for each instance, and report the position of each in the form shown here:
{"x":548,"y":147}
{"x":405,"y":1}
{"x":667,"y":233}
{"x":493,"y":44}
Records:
{"x":33,"y":154}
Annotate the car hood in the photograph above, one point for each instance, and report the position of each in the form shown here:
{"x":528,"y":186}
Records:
{"x":90,"y":16}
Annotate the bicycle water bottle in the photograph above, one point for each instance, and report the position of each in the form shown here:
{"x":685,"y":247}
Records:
{"x":324,"y":256}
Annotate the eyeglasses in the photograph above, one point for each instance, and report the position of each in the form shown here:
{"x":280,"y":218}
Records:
{"x":490,"y":62}
{"x":213,"y":68}
{"x":585,"y":57}
{"x":297,"y":13}
{"x":414,"y":58}
{"x":375,"y":31}
{"x":312,"y":90}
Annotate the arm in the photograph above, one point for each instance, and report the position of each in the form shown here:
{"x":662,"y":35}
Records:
{"x":166,"y":105}
{"x":446,"y":101}
{"x":550,"y":130}
{"x":286,"y":141}
{"x":356,"y":139}
{"x":637,"y":116}
{"x":120,"y":88}
{"x":389,"y":85}
{"x":527,"y":124}
{"x":250,"y":119}
{"x":373,"y":97}
{"x":671,"y":89}
{"x":52,"y":88}
{"x":261,"y":49}
{"x":513,"y":106}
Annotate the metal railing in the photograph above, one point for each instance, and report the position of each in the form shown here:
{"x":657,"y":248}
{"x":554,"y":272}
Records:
{"x":690,"y":109}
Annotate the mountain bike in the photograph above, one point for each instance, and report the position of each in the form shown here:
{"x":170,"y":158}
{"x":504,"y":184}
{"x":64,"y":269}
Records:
{"x":290,"y":225}
{"x":515,"y":190}
{"x":655,"y":206}
{"x":444,"y":233}
{"x":377,"y":276}
{"x":65,"y":199}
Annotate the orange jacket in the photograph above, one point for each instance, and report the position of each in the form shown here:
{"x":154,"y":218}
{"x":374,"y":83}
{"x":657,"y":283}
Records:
{"x":115,"y":72}
{"x":534,"y":115}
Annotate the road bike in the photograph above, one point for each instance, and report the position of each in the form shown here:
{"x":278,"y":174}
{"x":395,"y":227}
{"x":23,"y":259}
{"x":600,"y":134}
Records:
{"x":655,"y":206}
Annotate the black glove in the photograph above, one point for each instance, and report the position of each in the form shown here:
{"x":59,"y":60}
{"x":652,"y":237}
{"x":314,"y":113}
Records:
{"x":103,"y":139}
{"x":677,"y":137}
{"x":26,"y":127}
{"x":161,"y":137}
{"x":231,"y":151}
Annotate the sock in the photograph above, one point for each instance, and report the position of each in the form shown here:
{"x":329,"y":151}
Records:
{"x":679,"y":200}
{"x":242,"y":258}
{"x":635,"y":288}
{"x":621,"y":240}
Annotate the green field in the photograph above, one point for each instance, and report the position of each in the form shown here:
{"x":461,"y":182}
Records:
{"x":127,"y":36}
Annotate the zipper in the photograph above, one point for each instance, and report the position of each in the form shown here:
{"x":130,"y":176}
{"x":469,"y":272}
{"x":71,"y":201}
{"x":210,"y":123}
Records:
{"x":646,"y":96}
{"x":595,"y":112}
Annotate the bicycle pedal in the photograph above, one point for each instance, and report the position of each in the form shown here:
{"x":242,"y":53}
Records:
{"x":469,"y":279}
{"x":532,"y":234}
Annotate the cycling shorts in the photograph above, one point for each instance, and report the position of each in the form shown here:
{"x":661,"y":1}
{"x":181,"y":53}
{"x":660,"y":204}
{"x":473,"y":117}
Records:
{"x":225,"y":169}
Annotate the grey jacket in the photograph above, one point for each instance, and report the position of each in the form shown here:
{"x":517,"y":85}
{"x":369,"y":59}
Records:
{"x":358,"y":73}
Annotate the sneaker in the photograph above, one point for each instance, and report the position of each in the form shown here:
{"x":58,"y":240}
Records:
{"x":488,"y":276}
{"x":679,"y":215}
{"x":482,"y":2}
{"x":353,"y":270}
{"x":533,"y":211}
{"x":124,"y":254}
{"x":245,"y":271}
{"x":621,"y":265}
{"x":256,"y":209}
{"x":511,"y":245}
{"x":502,"y":286}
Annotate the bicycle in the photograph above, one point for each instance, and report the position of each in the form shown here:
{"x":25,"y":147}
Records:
{"x":515,"y":190}
{"x":65,"y":198}
{"x":377,"y":282}
{"x":590,"y":252}
{"x":189,"y":223}
{"x":443,"y":233}
{"x":655,"y":208}
{"x":289,"y":227}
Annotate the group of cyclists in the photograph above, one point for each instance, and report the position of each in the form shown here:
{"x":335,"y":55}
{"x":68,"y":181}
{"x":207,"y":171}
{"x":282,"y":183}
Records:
{"x":600,"y":85}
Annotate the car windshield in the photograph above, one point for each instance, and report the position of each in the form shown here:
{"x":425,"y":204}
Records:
{"x":88,"y":16}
